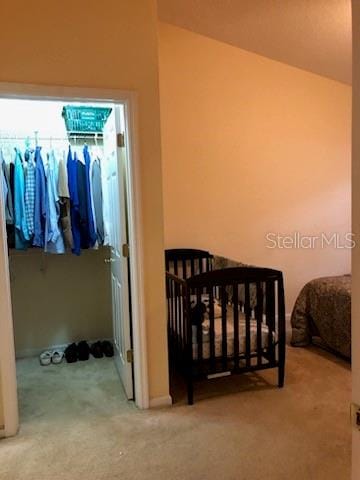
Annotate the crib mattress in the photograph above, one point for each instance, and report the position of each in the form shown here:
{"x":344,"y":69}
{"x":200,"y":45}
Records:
{"x":230,"y":336}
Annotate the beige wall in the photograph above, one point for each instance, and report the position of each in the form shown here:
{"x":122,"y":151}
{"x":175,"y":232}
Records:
{"x":252,"y":146}
{"x":59,"y":299}
{"x":102,"y":45}
{"x":356,"y":228}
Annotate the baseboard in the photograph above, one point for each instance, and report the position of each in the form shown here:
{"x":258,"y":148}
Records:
{"x":35,"y":352}
{"x":164,"y":401}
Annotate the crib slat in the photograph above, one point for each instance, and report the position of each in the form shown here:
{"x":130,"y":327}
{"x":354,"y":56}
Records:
{"x":176,"y":321}
{"x":270,"y":312}
{"x":183,"y":316}
{"x":247,"y":324}
{"x":223,"y":325}
{"x":259,"y":315}
{"x":177,"y":316}
{"x":199,"y":328}
{"x":181,"y":322}
{"x":212,"y":329}
{"x":236,"y":324}
{"x":201,"y":265}
{"x":171,"y":318}
{"x":184,"y":275}
{"x":171,"y":304}
{"x":192,"y":266}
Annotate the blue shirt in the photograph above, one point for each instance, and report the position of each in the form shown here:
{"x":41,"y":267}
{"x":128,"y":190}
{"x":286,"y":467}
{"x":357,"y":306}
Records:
{"x":40,"y":201}
{"x":91,"y":222}
{"x":74,"y":202}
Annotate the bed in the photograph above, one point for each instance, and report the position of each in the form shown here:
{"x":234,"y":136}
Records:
{"x":323,"y":311}
{"x":222,"y":321}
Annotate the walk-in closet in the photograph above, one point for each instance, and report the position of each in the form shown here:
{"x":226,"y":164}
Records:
{"x":63,"y":197}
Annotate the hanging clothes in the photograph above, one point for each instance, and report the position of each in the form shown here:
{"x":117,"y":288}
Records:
{"x":97,"y":199}
{"x":54,"y":242}
{"x":96,"y":246}
{"x":63,"y":184}
{"x":40,"y":200}
{"x":8,"y":198}
{"x":54,"y":205}
{"x":64,"y":199}
{"x":89,"y":201}
{"x":30,"y":191}
{"x":5,"y":188}
{"x":74,"y":202}
{"x":21,"y":228}
{"x":83,"y":207}
{"x":10,"y":228}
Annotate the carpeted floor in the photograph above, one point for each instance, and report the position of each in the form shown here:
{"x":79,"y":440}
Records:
{"x":76,"y":424}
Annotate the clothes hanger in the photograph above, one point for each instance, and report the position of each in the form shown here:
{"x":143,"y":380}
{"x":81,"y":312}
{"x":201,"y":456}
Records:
{"x":27,"y":143}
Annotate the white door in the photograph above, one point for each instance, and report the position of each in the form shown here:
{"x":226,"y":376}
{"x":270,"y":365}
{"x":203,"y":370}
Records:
{"x":114,"y":164}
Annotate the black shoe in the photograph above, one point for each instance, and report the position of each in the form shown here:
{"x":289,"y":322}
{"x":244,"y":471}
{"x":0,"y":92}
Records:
{"x":71,"y":353}
{"x":83,"y":350}
{"x":96,"y":350}
{"x":107,"y":348}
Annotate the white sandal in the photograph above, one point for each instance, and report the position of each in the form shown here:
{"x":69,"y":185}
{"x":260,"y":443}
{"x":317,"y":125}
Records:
{"x":45,"y":358}
{"x":57,"y":357}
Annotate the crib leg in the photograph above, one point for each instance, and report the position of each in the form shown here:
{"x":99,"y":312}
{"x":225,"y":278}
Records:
{"x":281,"y":375}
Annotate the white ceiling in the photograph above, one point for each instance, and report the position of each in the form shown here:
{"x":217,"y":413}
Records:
{"x":313,"y":35}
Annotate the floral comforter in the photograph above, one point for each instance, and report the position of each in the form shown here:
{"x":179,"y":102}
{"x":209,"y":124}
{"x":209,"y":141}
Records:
{"x":323,"y":309}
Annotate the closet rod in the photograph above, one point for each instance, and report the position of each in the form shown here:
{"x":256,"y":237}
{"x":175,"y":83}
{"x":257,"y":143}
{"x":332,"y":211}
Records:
{"x":75,"y":137}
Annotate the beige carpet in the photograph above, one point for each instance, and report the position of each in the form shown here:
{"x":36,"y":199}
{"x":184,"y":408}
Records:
{"x":76,"y":424}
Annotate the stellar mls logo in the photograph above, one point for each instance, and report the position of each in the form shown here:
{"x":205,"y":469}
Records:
{"x":299,"y":241}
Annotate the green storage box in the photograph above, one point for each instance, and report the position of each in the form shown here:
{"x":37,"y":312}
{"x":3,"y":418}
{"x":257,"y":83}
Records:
{"x":85,"y":119}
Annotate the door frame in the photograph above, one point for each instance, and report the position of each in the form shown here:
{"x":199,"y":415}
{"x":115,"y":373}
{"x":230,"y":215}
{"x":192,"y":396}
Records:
{"x":7,"y":350}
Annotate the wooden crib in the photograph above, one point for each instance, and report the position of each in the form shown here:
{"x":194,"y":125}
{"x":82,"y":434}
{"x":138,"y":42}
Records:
{"x":223,"y":322}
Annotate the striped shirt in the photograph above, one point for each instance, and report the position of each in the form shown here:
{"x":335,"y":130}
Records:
{"x":30,"y":191}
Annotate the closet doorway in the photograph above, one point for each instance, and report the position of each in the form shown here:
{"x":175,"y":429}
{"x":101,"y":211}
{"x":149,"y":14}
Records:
{"x":85,"y":285}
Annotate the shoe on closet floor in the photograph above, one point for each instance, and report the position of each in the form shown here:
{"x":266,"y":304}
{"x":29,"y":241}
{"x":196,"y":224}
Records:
{"x":45,"y":358}
{"x":107,"y":348}
{"x":96,"y":350}
{"x":57,"y":357}
{"x":83,"y":350}
{"x":71,"y":353}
